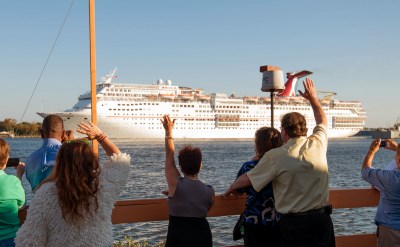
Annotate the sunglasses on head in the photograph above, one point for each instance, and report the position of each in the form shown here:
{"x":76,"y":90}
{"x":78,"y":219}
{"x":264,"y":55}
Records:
{"x":87,"y":142}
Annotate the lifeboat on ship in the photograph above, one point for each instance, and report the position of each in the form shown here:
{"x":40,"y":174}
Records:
{"x":151,"y":97}
{"x":297,"y":100}
{"x":203,"y":97}
{"x":186,"y":96}
{"x":324,"y":101}
{"x":166,"y":96}
{"x":265,"y":99}
{"x":282,"y":100}
{"x":251,"y":99}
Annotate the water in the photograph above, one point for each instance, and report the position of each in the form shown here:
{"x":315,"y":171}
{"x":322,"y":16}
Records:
{"x":221,"y":162}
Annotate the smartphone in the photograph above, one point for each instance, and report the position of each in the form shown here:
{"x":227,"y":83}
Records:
{"x":68,"y":132}
{"x":12,"y":162}
{"x":383,"y":144}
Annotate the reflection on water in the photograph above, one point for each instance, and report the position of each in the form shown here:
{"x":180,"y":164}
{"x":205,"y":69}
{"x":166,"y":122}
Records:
{"x":221,"y":162}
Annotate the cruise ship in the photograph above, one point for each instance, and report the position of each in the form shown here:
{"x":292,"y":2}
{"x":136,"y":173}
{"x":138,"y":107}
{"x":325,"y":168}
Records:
{"x":135,"y":110}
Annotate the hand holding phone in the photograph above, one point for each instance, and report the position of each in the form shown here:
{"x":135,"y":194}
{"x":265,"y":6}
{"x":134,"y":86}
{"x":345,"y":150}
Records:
{"x":383,"y":144}
{"x":12,"y":162}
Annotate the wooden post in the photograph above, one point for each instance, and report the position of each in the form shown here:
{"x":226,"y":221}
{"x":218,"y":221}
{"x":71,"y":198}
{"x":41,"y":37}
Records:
{"x":92,"y":37}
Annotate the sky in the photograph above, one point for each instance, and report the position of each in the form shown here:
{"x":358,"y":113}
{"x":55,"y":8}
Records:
{"x":352,"y":48}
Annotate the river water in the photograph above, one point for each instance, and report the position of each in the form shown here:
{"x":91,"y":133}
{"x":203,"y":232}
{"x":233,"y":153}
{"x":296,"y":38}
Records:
{"x":221,"y":162}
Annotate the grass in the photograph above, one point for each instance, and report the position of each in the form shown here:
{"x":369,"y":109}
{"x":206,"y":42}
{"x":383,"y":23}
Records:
{"x":129,"y":242}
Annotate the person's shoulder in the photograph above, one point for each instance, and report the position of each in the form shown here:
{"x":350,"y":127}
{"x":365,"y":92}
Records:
{"x":36,"y":153}
{"x":274,"y":152}
{"x":46,"y":194}
{"x":366,"y":170}
{"x":321,"y":127}
{"x":11,"y":178}
{"x":46,"y":188}
{"x":319,"y":134}
{"x":52,"y":147}
{"x":250,"y":164}
{"x":319,"y":130}
{"x":120,"y":158}
{"x":197,"y":181}
{"x":210,"y":188}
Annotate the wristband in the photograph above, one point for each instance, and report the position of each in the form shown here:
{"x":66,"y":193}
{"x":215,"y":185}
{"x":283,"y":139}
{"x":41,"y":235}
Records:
{"x":101,"y":137}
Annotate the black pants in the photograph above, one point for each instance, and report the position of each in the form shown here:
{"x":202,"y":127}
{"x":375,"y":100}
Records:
{"x":187,"y":231}
{"x":307,"y":230}
{"x":261,"y":235}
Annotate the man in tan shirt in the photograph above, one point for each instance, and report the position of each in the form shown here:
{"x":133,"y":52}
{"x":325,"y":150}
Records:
{"x":299,"y":174}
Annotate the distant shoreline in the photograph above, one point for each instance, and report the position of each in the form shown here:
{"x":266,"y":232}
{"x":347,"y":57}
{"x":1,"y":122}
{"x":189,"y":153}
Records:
{"x":36,"y":136}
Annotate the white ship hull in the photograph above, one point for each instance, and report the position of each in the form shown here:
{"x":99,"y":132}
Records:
{"x":150,"y":127}
{"x":134,"y":111}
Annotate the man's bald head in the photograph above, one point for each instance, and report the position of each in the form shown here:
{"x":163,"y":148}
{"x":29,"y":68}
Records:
{"x":52,"y":127}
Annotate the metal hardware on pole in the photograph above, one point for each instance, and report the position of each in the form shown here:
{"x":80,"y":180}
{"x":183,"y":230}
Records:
{"x":272,"y":82}
{"x":272,"y":108}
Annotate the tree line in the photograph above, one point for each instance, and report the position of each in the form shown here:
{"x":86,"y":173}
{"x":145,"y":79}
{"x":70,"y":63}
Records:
{"x":20,"y":129}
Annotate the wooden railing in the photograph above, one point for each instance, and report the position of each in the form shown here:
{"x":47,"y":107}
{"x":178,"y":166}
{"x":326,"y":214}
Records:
{"x":130,"y":211}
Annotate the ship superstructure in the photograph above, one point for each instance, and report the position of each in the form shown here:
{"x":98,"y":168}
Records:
{"x":135,"y":110}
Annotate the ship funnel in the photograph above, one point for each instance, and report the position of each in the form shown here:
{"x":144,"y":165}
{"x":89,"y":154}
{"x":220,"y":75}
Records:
{"x":290,"y":85}
{"x":272,"y":80}
{"x":159,"y":82}
{"x":168,"y":82}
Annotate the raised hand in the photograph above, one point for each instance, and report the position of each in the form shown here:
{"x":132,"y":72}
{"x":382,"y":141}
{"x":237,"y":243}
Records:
{"x":67,"y":135}
{"x":89,"y":129}
{"x":20,"y":170}
{"x":168,"y":124}
{"x":374,"y":147}
{"x":390,"y":144}
{"x":309,"y":90}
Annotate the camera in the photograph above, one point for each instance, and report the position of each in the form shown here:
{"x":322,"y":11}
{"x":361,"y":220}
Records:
{"x":383,"y":144}
{"x":12,"y":162}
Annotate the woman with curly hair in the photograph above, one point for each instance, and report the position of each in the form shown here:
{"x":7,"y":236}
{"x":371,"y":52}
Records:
{"x":73,"y":206}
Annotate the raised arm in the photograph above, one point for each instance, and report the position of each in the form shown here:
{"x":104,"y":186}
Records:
{"x":311,"y":95}
{"x":171,"y":172}
{"x":373,"y":148}
{"x":93,"y":132}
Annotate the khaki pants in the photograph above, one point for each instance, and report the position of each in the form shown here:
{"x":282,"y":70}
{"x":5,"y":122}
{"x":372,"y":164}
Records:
{"x":387,"y":237}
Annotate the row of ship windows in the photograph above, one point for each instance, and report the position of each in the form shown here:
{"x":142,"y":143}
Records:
{"x":205,"y":111}
{"x":225,"y":127}
{"x":121,"y":95}
{"x":138,"y":104}
{"x":342,"y":113}
{"x":230,"y":106}
{"x":183,"y":105}
{"x":202,"y":111}
{"x":211,"y":118}
{"x":117,"y":90}
{"x":211,"y":122}
{"x":348,"y":122}
{"x":126,"y":91}
{"x":204,"y":127}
